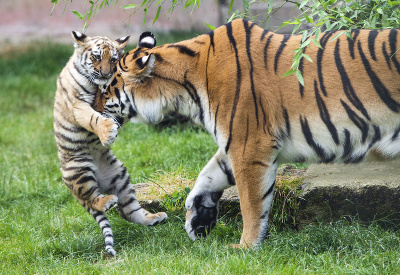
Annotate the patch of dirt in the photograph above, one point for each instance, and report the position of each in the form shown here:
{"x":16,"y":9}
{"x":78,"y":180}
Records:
{"x":167,"y":184}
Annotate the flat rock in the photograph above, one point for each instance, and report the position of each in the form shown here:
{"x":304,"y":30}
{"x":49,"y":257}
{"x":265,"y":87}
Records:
{"x":366,"y":192}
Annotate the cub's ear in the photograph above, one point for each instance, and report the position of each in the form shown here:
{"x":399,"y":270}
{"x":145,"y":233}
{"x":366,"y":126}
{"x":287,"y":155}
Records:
{"x":122,"y":42}
{"x":80,"y":38}
{"x":147,"y":40}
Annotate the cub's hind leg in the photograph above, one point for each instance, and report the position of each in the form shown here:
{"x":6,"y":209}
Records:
{"x":202,"y":202}
{"x":105,"y":227}
{"x":79,"y":175}
{"x":115,"y":180}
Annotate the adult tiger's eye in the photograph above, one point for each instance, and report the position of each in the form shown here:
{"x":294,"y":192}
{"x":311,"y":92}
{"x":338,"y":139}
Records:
{"x":97,"y":57}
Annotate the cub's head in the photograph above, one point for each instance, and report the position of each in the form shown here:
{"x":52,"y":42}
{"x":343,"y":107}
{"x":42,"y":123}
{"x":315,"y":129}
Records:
{"x":97,"y":57}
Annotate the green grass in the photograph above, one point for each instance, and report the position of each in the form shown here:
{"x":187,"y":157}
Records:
{"x":43,"y":230}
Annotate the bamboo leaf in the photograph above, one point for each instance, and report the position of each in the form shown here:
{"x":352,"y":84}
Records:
{"x":77,"y":14}
{"x":130,"y":6}
{"x":157,"y":14}
{"x":300,"y":77}
{"x":230,"y":6}
{"x":211,"y":27}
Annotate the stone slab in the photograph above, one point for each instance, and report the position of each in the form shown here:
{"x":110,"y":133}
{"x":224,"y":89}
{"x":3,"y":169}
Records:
{"x":366,"y":192}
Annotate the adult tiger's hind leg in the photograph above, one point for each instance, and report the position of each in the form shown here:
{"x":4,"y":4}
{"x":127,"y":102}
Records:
{"x":115,"y":180}
{"x":202,"y":202}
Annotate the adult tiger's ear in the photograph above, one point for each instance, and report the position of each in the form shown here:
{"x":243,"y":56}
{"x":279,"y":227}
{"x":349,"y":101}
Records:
{"x":122,"y":42}
{"x":141,"y":69}
{"x":145,"y":65}
{"x":80,"y":38}
{"x":147,"y":40}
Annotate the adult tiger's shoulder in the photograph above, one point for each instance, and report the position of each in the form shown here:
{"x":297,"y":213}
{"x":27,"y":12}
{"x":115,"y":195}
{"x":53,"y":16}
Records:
{"x":230,"y":81}
{"x":89,"y":168}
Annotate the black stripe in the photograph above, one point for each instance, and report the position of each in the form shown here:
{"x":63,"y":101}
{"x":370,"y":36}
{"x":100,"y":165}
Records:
{"x":310,"y":141}
{"x":371,"y":43}
{"x":247,"y":134}
{"x":377,"y":136}
{"x":105,"y":227}
{"x":127,"y":184}
{"x":88,"y":193}
{"x":347,"y":87}
{"x":396,"y":133}
{"x":324,"y":39}
{"x":265,"y":122}
{"x":215,"y":120}
{"x":125,"y":204}
{"x":85,"y":179}
{"x":279,"y":52}
{"x":134,"y":210}
{"x":323,"y":112}
{"x":394,"y":48}
{"x":386,"y":55}
{"x":358,"y":121}
{"x":380,"y":88}
{"x":287,"y":121}
{"x":264,"y":34}
{"x":79,"y":84}
{"x":269,"y":191}
{"x":190,"y":87}
{"x":114,"y":82}
{"x":266,"y":49}
{"x":70,"y":140}
{"x":184,"y":50}
{"x":352,"y":41}
{"x":102,"y":219}
{"x":228,"y":172}
{"x":211,"y":35}
{"x":301,"y":87}
{"x":348,"y":146}
{"x":238,"y":82}
{"x":248,"y":50}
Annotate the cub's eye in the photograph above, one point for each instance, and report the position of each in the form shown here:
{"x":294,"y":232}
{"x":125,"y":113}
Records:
{"x":97,"y":57}
{"x":114,"y":59}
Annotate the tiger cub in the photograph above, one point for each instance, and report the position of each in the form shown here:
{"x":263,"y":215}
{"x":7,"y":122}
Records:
{"x":230,"y":81}
{"x":83,"y":136}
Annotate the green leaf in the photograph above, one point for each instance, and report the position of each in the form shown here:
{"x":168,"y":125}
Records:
{"x":77,"y":14}
{"x":54,"y":1}
{"x":157,"y":14}
{"x":211,"y":27}
{"x":307,"y":57}
{"x":300,"y":77}
{"x":230,"y":6}
{"x":336,"y":36}
{"x":130,"y":6}
{"x":316,"y":43}
{"x":309,"y":19}
{"x":292,"y":71}
{"x":145,"y":16}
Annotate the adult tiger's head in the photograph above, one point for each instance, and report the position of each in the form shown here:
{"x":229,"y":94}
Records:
{"x":96,"y":57}
{"x":145,"y":87}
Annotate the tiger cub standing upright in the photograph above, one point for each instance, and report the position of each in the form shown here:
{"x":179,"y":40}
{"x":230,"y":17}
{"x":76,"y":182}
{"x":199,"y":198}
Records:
{"x":82,"y":134}
{"x":230,"y":81}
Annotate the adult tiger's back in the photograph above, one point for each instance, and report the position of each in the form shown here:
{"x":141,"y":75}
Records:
{"x":230,"y":81}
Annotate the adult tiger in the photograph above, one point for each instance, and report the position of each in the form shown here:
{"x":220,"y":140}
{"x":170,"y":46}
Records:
{"x":82,"y":134}
{"x":230,"y":81}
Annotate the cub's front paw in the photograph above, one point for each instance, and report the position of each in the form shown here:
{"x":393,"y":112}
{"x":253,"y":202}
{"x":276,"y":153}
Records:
{"x":108,"y":131}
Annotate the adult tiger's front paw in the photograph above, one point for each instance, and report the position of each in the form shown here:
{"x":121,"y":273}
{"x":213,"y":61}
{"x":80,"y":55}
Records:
{"x":108,"y":131}
{"x":202,"y":213}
